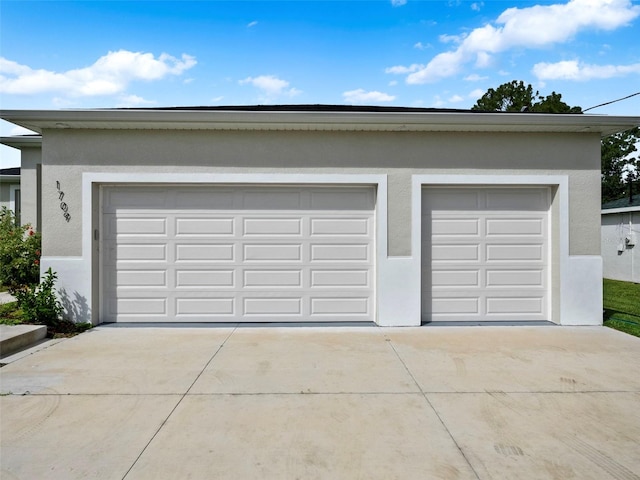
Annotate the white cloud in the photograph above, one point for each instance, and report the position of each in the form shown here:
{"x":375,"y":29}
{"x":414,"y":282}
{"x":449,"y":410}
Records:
{"x":109,"y":75}
{"x":438,"y":102}
{"x":538,"y":26}
{"x":476,"y":6}
{"x":362,"y":96}
{"x":252,"y":24}
{"x":271,"y":86}
{"x":393,"y":83}
{"x":574,"y":70}
{"x":444,"y":38}
{"x":398,"y":3}
{"x":474,"y":77}
{"x":400,"y":70}
{"x":456,"y":99}
{"x":422,"y":46}
{"x":476,"y":94}
{"x":127,"y":101}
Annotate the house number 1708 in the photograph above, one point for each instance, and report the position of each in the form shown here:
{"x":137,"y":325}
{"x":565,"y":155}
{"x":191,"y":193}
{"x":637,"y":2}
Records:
{"x":63,"y":205}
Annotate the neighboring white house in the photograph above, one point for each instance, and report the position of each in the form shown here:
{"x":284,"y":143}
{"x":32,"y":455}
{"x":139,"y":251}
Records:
{"x":20,"y":186}
{"x":396,"y":216}
{"x":10,"y":190}
{"x":620,"y":237}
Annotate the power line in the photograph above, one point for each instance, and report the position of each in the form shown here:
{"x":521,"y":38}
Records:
{"x":612,"y":101}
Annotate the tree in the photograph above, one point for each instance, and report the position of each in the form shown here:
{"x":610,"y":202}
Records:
{"x":19,"y":253}
{"x":619,"y":166}
{"x":620,"y":169}
{"x":517,"y":97}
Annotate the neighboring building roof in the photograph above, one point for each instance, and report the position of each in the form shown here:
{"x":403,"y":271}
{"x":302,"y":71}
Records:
{"x":22,"y":141}
{"x":622,"y":205}
{"x":10,"y":171}
{"x":317,"y":117}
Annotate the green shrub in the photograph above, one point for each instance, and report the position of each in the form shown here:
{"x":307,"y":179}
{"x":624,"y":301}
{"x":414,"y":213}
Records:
{"x":39,"y":303}
{"x":19,"y":253}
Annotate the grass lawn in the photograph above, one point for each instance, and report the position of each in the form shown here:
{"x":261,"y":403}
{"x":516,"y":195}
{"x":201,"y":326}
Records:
{"x":622,"y":306}
{"x":9,"y":314}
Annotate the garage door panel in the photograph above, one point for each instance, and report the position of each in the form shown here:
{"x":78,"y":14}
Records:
{"x":342,"y":306}
{"x":138,"y":252}
{"x":450,"y":306}
{"x":455,"y":278}
{"x":140,"y":278}
{"x":135,"y":226}
{"x":272,"y":306}
{"x":485,"y":253}
{"x":338,"y":252}
{"x":273,"y":253}
{"x":272,"y":226}
{"x":299,"y":253}
{"x":340,"y":226}
{"x":339,"y":199}
{"x":515,"y":227}
{"x":455,"y":253}
{"x":204,"y":252}
{"x":525,"y":200}
{"x":516,"y":277}
{"x":341,"y":278}
{"x":198,"y":199}
{"x":273,"y":278}
{"x":452,"y":199}
{"x":517,"y":253}
{"x":140,"y":306}
{"x":204,"y":278}
{"x":446,"y":227}
{"x":223,"y":227}
{"x":514,"y":305}
{"x":270,"y":199}
{"x":132,"y":197}
{"x":205,"y":307}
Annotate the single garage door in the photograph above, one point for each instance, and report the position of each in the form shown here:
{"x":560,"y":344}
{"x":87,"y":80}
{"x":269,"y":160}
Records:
{"x":237,"y":253}
{"x":485,"y":254}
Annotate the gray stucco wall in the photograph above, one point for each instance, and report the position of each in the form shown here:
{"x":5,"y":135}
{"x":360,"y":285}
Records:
{"x":69,"y":153}
{"x":31,"y":158}
{"x":5,"y":191}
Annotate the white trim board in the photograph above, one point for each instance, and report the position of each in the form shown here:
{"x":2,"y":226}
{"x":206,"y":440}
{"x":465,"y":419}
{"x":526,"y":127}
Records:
{"x":380,"y":181}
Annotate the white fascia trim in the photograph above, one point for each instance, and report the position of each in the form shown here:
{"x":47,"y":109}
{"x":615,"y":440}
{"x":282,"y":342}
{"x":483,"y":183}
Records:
{"x":90,"y":179}
{"x":39,"y":120}
{"x":559,"y":181}
{"x":620,"y":210}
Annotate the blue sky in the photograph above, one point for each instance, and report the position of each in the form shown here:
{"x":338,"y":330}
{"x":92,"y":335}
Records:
{"x":426,"y":53}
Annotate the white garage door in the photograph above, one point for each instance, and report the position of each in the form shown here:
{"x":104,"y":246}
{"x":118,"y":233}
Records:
{"x":485,"y":254}
{"x":232,"y":253}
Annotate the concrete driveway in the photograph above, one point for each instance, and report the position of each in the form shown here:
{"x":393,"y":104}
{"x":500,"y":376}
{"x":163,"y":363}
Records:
{"x":325,"y":402}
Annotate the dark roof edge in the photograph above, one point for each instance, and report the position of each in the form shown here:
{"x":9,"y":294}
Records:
{"x":318,"y":107}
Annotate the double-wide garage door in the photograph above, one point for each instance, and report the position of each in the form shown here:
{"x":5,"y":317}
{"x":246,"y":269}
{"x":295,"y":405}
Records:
{"x":237,"y":253}
{"x":485,"y":254}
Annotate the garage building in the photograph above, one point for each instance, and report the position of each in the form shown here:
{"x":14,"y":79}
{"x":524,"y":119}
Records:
{"x":394,"y":216}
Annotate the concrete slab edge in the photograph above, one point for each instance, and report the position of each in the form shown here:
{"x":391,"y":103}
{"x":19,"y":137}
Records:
{"x":17,"y":337}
